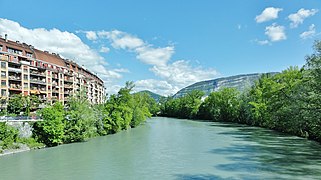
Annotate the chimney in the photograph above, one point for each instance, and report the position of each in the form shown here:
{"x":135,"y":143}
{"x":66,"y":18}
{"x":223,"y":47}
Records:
{"x":6,"y":37}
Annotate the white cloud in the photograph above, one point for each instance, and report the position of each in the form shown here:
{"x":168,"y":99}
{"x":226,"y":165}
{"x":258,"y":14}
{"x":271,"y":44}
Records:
{"x":154,"y":56}
{"x":173,"y":76}
{"x":91,"y":35}
{"x":156,"y":86}
{"x":104,"y":49}
{"x":310,"y":33}
{"x":67,"y":44}
{"x":145,"y":52}
{"x":122,"y":70}
{"x":275,"y":32}
{"x":121,"y":40}
{"x":268,"y":14}
{"x":182,"y":73}
{"x":298,"y":17}
{"x":262,"y":42}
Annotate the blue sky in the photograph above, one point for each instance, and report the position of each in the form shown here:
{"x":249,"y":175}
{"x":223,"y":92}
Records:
{"x":166,"y":45}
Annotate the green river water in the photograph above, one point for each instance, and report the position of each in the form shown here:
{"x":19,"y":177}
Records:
{"x":166,"y":148}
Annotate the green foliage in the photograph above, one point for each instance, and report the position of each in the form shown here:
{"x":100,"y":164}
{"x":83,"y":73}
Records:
{"x":8,"y":135}
{"x":80,"y":120}
{"x":19,"y":104}
{"x":125,"y":110}
{"x":289,"y":101}
{"x":184,"y":107}
{"x":142,"y":103}
{"x":16,"y":104}
{"x":221,"y":106}
{"x":30,"y":142}
{"x":50,"y":131}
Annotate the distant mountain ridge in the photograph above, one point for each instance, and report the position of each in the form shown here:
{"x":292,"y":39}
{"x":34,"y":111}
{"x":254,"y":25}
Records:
{"x":155,"y":96}
{"x":239,"y":82}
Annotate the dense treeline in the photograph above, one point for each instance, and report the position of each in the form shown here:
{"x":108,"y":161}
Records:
{"x":289,"y":101}
{"x":80,"y":120}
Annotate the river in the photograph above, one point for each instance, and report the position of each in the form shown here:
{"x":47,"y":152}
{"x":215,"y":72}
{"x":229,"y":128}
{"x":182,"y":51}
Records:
{"x":166,"y":148}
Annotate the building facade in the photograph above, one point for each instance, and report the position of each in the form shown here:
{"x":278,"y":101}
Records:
{"x":30,"y":71}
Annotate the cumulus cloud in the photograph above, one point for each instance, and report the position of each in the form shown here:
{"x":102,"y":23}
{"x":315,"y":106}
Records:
{"x":172,"y":76}
{"x":67,"y":44}
{"x":121,"y":40}
{"x":154,"y":56}
{"x":157,"y":86}
{"x":298,"y":17}
{"x":309,"y":33}
{"x":268,"y":14}
{"x":182,"y":73}
{"x":145,"y":52}
{"x":104,"y":49}
{"x":91,"y":35}
{"x":275,"y":32}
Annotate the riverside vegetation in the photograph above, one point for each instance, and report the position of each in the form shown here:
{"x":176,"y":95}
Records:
{"x":288,"y":102}
{"x":79,"y":120}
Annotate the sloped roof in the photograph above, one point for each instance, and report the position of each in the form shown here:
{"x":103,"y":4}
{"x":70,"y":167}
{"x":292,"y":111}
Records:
{"x":50,"y":58}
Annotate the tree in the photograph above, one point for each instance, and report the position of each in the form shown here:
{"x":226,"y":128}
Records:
{"x":140,"y":109}
{"x":222,"y":105}
{"x":8,"y":135}
{"x":16,"y":104}
{"x":80,"y":122}
{"x":50,"y":131}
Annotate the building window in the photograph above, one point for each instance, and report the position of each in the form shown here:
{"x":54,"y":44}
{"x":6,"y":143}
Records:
{"x":25,"y":77}
{"x":25,"y":85}
{"x":3,"y":83}
{"x":16,"y":51}
{"x":3,"y":92}
{"x":3,"y":74}
{"x":29,"y":54}
{"x":0,"y":48}
{"x":3,"y":65}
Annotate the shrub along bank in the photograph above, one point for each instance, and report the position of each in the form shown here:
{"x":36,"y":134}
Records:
{"x":79,"y":120}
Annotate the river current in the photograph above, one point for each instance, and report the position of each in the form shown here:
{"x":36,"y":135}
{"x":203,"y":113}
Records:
{"x":167,"y":148}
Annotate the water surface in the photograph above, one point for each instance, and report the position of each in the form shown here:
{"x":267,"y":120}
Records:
{"x":165,"y":148}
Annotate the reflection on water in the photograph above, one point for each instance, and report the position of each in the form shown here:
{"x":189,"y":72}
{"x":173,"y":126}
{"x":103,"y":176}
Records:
{"x":258,"y":150}
{"x":166,"y":148}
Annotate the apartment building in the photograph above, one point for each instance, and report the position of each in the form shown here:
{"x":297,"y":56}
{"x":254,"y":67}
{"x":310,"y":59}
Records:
{"x":30,"y":71}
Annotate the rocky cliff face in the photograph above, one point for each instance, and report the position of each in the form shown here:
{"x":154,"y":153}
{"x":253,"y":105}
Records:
{"x":239,"y":82}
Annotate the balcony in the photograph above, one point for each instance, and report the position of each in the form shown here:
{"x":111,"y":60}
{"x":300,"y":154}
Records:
{"x":14,"y":61}
{"x":67,"y":92}
{"x":16,"y":87}
{"x":68,"y":86}
{"x":70,"y":80}
{"x":25,"y":62}
{"x":55,"y":91}
{"x":37,"y":73}
{"x":38,"y":81}
{"x":15,"y":78}
{"x":12,"y":69}
{"x":4,"y":58}
{"x":55,"y":76}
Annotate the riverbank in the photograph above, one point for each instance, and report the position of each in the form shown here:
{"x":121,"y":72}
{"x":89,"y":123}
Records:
{"x":21,"y":148}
